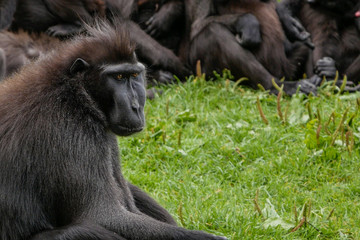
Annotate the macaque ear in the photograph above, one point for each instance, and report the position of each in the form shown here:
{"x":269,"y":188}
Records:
{"x":357,"y":14}
{"x":78,"y":65}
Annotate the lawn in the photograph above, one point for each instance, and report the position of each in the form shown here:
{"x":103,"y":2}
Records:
{"x":210,"y":158}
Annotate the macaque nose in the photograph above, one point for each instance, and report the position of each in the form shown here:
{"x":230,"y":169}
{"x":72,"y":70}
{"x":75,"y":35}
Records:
{"x":135,"y":104}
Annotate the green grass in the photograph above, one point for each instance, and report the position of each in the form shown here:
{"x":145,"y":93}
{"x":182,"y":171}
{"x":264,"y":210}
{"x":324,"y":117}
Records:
{"x":207,"y":156}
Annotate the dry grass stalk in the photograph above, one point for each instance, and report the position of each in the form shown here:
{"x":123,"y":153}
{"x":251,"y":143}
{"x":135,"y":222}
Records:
{"x":279,"y":107}
{"x":262,"y":115}
{"x":318,"y":116}
{"x":336,"y":133}
{"x":256,"y":203}
{"x":198,"y":69}
{"x":330,"y":214}
{"x":301,"y":223}
{"x":350,"y":141}
{"x":332,"y":117}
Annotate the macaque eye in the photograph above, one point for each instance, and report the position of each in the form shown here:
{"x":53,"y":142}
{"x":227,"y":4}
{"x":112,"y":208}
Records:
{"x":135,"y":74}
{"x":119,"y":76}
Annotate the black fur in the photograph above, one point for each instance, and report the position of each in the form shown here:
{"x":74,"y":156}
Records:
{"x":2,"y":64}
{"x":21,"y":48}
{"x":335,"y":34}
{"x":59,"y":160}
{"x":164,"y":22}
{"x":7,"y":10}
{"x":78,"y":231}
{"x":60,"y":18}
{"x":149,"y":206}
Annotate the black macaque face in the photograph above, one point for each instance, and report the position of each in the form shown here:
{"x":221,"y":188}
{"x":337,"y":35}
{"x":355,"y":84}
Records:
{"x":119,"y":91}
{"x":125,"y":84}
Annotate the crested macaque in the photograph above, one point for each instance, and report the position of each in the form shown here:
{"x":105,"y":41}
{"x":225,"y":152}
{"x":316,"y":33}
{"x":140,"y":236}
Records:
{"x":334,"y":26}
{"x":247,"y":38}
{"x":60,"y":175}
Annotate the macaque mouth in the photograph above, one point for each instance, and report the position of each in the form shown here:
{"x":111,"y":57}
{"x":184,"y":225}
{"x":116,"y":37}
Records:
{"x":126,"y":131}
{"x":131,"y":129}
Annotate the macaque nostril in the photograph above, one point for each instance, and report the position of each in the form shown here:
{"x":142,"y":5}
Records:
{"x":135,"y":104}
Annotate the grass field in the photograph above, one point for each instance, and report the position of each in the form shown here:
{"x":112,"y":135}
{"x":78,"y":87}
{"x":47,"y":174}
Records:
{"x":209,"y":157}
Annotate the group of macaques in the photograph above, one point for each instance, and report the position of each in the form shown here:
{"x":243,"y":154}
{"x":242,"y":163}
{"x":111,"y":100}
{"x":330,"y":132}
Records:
{"x":262,"y":40}
{"x":75,"y":79}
